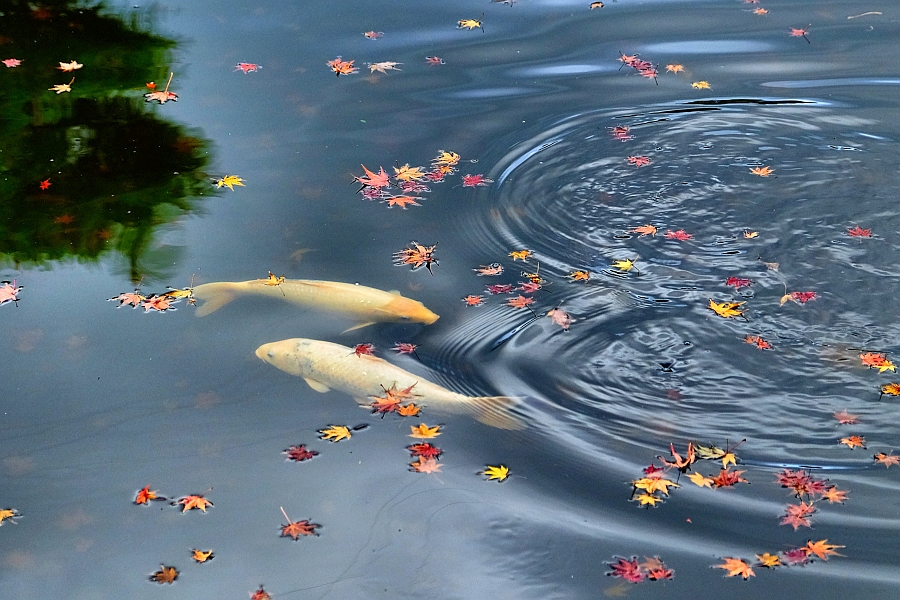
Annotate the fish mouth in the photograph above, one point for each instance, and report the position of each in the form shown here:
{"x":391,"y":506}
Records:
{"x":261,"y":351}
{"x":429,"y":319}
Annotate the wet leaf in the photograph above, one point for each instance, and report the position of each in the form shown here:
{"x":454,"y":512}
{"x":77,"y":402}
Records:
{"x":761,"y":171}
{"x":295,"y":529}
{"x":247,"y":67}
{"x":735,"y":567}
{"x":489,"y":270}
{"x":9,"y":514}
{"x":342,"y":67}
{"x":9,"y":293}
{"x":62,"y":87}
{"x":701,"y":480}
{"x":145,"y":495}
{"x":629,"y":570}
{"x":260,"y":594}
{"x":644,"y":230}
{"x":854,"y":441}
{"x":758,"y":342}
{"x":165,"y":575}
{"x":519,"y":301}
{"x":750,"y":235}
{"x":498,"y":473}
{"x":423,"y":431}
{"x":683,"y":464}
{"x":769,"y":561}
{"x":655,"y":483}
{"x":194,"y":501}
{"x":560,"y":317}
{"x":639,"y":161}
{"x":845,"y":418}
{"x":335,"y":433}
{"x":579,"y":275}
{"x":374,"y":35}
{"x":364,"y":349}
{"x":821,"y":549}
{"x":473,"y":300}
{"x":67,"y":67}
{"x":475,"y":180}
{"x":202,"y":556}
{"x":384,"y":66}
{"x":726,"y":309}
{"x":738,"y":282}
{"x":701,"y":85}
{"x":425,"y":450}
{"x":299,"y":453}
{"x":520,"y":255}
{"x":727,"y":478}
{"x":887,"y":459}
{"x":230,"y":181}
{"x":11,"y":63}
{"x":679,"y":235}
{"x":417,"y":256}
{"x":408,"y":410}
{"x":425,"y":465}
{"x":469,"y":24}
{"x":373,"y":180}
{"x":876,"y":360}
{"x":858,"y":231}
{"x":674,"y":68}
{"x":648,"y":500}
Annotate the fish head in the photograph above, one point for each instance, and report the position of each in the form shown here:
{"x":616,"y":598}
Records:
{"x":406,"y":309}
{"x":294,"y":356}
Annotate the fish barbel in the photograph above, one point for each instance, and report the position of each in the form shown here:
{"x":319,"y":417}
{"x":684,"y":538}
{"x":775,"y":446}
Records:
{"x":326,"y":366}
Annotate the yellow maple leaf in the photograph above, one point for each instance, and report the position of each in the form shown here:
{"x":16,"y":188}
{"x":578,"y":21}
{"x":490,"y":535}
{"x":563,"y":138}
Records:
{"x":423,"y":431}
{"x":726,"y":309}
{"x":891,"y":389}
{"x":446,"y":158}
{"x":623,"y":265}
{"x":727,"y":458}
{"x":335,"y":433}
{"x":230,"y":181}
{"x":500,"y":472}
{"x":701,"y":85}
{"x":9,"y":514}
{"x":201,"y":556}
{"x":736,"y":566}
{"x":769,"y":561}
{"x":407,"y":173}
{"x":750,"y":234}
{"x":69,"y":66}
{"x":62,"y":87}
{"x":708,"y":452}
{"x":701,"y":480}
{"x":674,"y":68}
{"x":408,"y":410}
{"x":654,"y":484}
{"x":648,"y":499}
{"x":520,"y":255}
{"x":272,"y":280}
{"x":469,"y":24}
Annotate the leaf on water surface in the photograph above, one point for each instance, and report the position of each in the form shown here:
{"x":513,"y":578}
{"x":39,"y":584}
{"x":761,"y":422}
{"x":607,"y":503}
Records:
{"x":9,"y":293}
{"x":677,"y":462}
{"x":629,"y":570}
{"x":654,"y":483}
{"x":9,"y":514}
{"x":69,"y":66}
{"x":639,"y":161}
{"x":407,"y":173}
{"x":489,"y":270}
{"x":294,"y":529}
{"x":299,"y":453}
{"x":726,"y":309}
{"x":473,"y":300}
{"x":425,"y":465}
{"x":758,"y":342}
{"x":520,"y":255}
{"x":260,"y":594}
{"x":434,"y":60}
{"x":701,"y":480}
{"x":475,"y":180}
{"x":760,"y":11}
{"x":877,"y":360}
{"x":560,"y":317}
{"x":202,"y":556}
{"x":62,"y":87}
{"x":519,"y":301}
{"x":769,"y":561}
{"x":165,"y":575}
{"x":887,"y":459}
{"x":162,"y":96}
{"x":858,"y":231}
{"x":384,"y":66}
{"x":579,"y":275}
{"x":596,"y":5}
{"x":469,"y":24}
{"x":425,"y":450}
{"x":701,"y":85}
{"x":762,"y":171}
{"x":834,"y":495}
{"x":624,"y":265}
{"x":679,"y":235}
{"x":845,"y":418}
{"x":417,"y":256}
{"x":364,"y":349}
{"x":498,"y":473}
{"x":738,"y":282}
{"x":145,"y":495}
{"x":800,"y":32}
{"x":423,"y":431}
{"x":373,"y":180}
{"x":750,"y":234}
{"x":402,"y":201}
{"x":45,"y":184}
{"x":374,"y":35}
{"x":11,"y":63}
{"x":735,"y":567}
{"x":502,"y":288}
{"x":854,"y":441}
{"x":727,"y":478}
{"x":230,"y":181}
{"x":247,"y":67}
{"x":158,"y":303}
{"x":191,"y":502}
{"x":648,"y":500}
{"x":409,"y":410}
{"x":644,"y":230}
{"x":821,"y":549}
{"x":335,"y":433}
{"x":342,"y":67}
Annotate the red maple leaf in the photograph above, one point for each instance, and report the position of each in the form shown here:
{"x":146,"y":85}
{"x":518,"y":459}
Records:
{"x":737,"y":282}
{"x":859,"y":232}
{"x":413,"y":187}
{"x":145,"y":495}
{"x":727,"y":478}
{"x":629,"y":570}
{"x":424,"y":449}
{"x":679,"y":235}
{"x":157,"y":303}
{"x":247,"y":67}
{"x":435,"y":175}
{"x":472,"y":300}
{"x":46,"y":184}
{"x":621,"y":133}
{"x":405,"y":347}
{"x":434,"y":60}
{"x":795,"y":521}
{"x":501,"y":288}
{"x":11,"y":63}
{"x":639,"y":161}
{"x":299,"y":453}
{"x":361,"y":349}
{"x":260,"y":594}
{"x":384,"y":405}
{"x":652,"y":469}
{"x":803,"y":297}
{"x":373,"y":180}
{"x":758,"y":342}
{"x":795,"y":556}
{"x":528,"y":287}
{"x":475,"y":180}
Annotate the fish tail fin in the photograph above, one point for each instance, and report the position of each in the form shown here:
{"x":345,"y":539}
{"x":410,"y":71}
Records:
{"x":495,"y":411}
{"x":214,"y":296}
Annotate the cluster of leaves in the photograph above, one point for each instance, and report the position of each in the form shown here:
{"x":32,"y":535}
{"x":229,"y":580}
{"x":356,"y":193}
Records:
{"x":808,"y":490}
{"x":412,"y":181}
{"x":652,"y":569}
{"x":802,"y":555}
{"x":161,"y":302}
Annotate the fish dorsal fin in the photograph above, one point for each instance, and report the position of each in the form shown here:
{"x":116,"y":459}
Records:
{"x":317,"y":385}
{"x":360,"y":326}
{"x":495,"y":411}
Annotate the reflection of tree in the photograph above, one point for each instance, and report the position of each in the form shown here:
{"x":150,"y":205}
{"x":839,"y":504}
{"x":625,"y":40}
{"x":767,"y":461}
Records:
{"x":117,"y":171}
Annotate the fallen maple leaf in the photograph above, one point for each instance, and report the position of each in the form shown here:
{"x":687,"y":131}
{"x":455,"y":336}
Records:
{"x":247,"y":67}
{"x":677,"y":462}
{"x":342,"y":67}
{"x":761,"y":171}
{"x":629,"y":570}
{"x":475,"y":180}
{"x":373,"y":180}
{"x":796,"y":556}
{"x":620,"y":132}
{"x":373,"y":35}
{"x":674,"y":68}
{"x":165,"y":575}
{"x":489,"y":270}
{"x":335,"y":433}
{"x":560,"y":317}
{"x":384,"y":67}
{"x":364,"y":349}
{"x":750,"y":234}
{"x":202,"y":556}
{"x":9,"y":293}
{"x":434,"y":60}
{"x":9,"y":514}
{"x":469,"y":24}
{"x":11,"y":63}
{"x":145,"y":495}
{"x":158,"y":303}
{"x":299,"y":453}
{"x":800,"y":32}
{"x":260,"y":594}
{"x":760,"y":11}
{"x":45,"y":184}
{"x":769,"y":561}
{"x":472,"y":300}
{"x":417,"y":256}
{"x":163,"y":96}
{"x":726,"y":309}
{"x":701,"y":480}
{"x":62,"y":87}
{"x":499,"y":473}
{"x":644,"y":230}
{"x":230,"y":181}
{"x":648,"y":500}
{"x":579,"y":275}
{"x":426,"y":450}
{"x":655,"y":569}
{"x":623,"y":265}
{"x":803,"y":297}
{"x":501,"y":288}
{"x":887,"y":459}
{"x":859,"y":232}
{"x":69,"y":66}
{"x":425,"y":465}
{"x":294,"y":529}
{"x":727,"y":478}
{"x":402,"y":201}
{"x":191,"y":502}
{"x":891,"y":389}
{"x":701,"y":85}
{"x":845,"y":418}
{"x":655,"y":483}
{"x":273,"y":280}
{"x":736,"y":566}
{"x":758,"y":342}
{"x":875,"y":360}
{"x":834,"y":495}
{"x":854,"y":441}
{"x":423,"y":431}
{"x":408,"y":410}
{"x":639,"y":161}
{"x":738,"y":282}
{"x":821,"y":549}
{"x":519,"y":301}
{"x":679,"y":235}
{"x":596,"y":4}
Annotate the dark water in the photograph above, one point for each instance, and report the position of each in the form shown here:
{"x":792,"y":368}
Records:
{"x":99,"y":402}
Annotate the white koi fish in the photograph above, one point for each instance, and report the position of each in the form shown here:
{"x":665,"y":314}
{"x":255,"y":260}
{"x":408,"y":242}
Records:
{"x":326,"y":366}
{"x":365,"y":304}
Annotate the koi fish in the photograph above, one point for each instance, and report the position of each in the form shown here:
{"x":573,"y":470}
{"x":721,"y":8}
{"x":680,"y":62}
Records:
{"x":365,"y":304}
{"x":326,"y":366}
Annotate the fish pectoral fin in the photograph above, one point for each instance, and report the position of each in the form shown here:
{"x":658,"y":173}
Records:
{"x":317,"y":385}
{"x":496,"y":411}
{"x":360,"y":326}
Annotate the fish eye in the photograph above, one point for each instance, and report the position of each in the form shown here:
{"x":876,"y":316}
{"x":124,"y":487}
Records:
{"x":271,"y":354}
{"x":404,"y":318}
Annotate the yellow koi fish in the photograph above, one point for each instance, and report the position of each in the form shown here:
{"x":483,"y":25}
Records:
{"x":326,"y":366}
{"x":366,"y":305}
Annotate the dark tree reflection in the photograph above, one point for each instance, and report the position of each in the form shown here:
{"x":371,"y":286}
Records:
{"x":117,"y":169}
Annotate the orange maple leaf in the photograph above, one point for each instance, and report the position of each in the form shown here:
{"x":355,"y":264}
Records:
{"x":408,"y":410}
{"x":423,"y":431}
{"x":875,"y":360}
{"x":402,"y":201}
{"x":425,"y":465}
{"x":294,"y":529}
{"x":644,"y":230}
{"x":736,"y":566}
{"x":145,"y":495}
{"x":854,"y":441}
{"x":165,"y":575}
{"x":821,"y":549}
{"x":519,"y":301}
{"x":727,"y":478}
{"x":762,"y":171}
{"x":758,"y":342}
{"x":472,"y":300}
{"x":887,"y":459}
{"x":580,"y":275}
{"x":193,"y":501}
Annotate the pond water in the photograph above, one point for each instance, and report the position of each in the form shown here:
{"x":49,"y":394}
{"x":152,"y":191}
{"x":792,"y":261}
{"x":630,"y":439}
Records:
{"x":787,"y":154}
